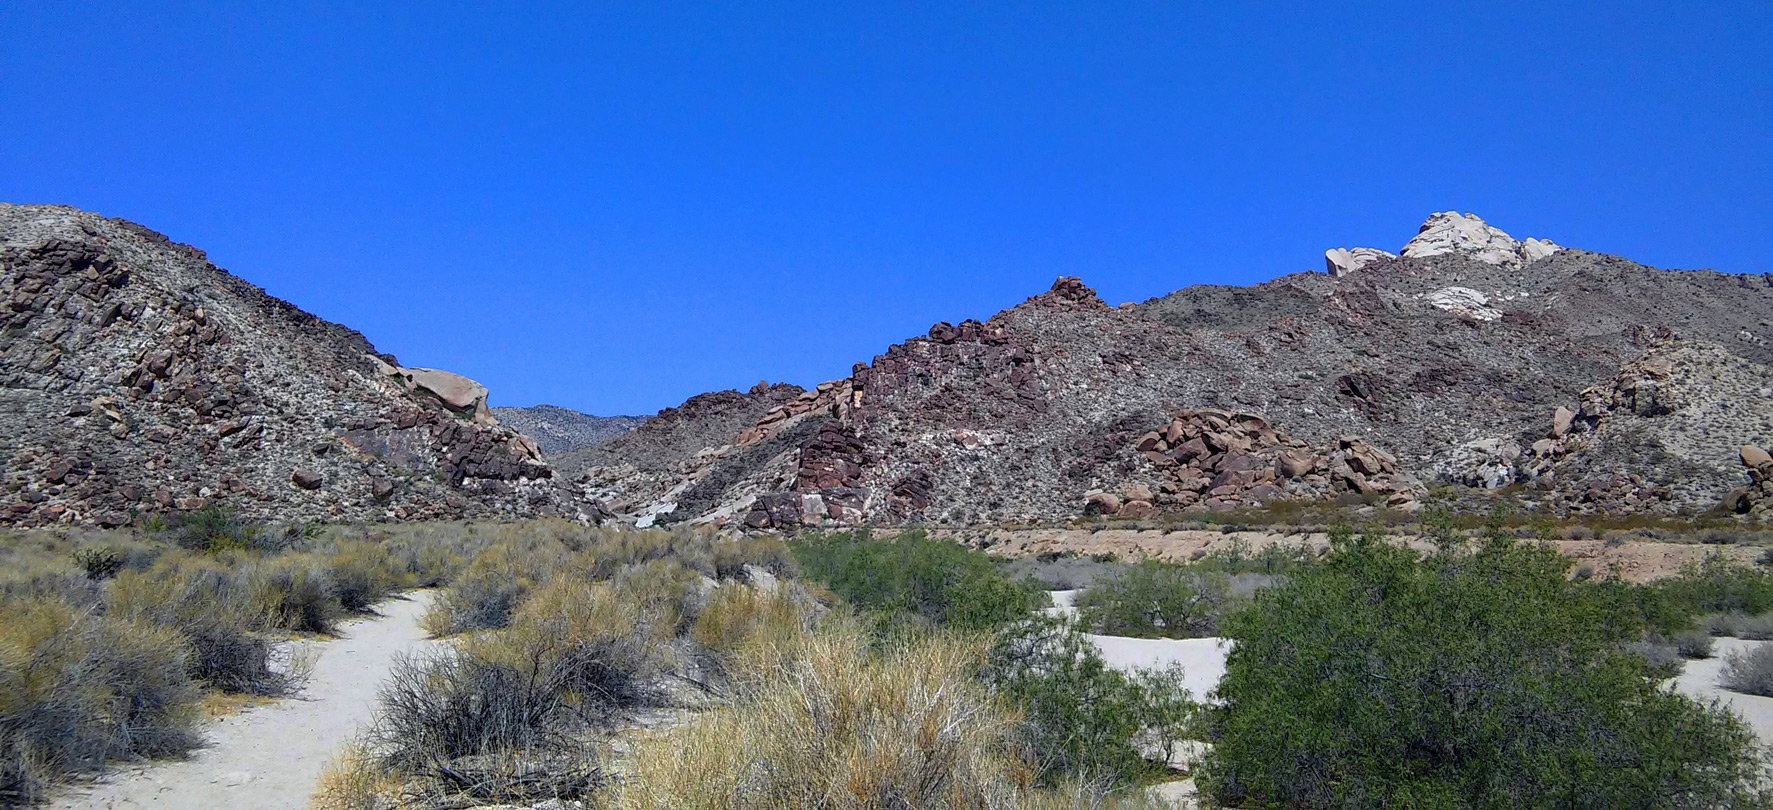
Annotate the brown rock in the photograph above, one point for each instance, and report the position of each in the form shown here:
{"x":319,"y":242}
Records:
{"x":1291,"y":465}
{"x":1150,"y":441}
{"x":1754,"y":457}
{"x":1136,"y":492}
{"x":1560,"y":422}
{"x":306,"y":478}
{"x":1190,"y":450}
{"x":1136,"y":508}
{"x":381,"y":488}
{"x":1101,"y":503}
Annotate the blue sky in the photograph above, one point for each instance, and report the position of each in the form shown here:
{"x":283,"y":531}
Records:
{"x":612,"y":207}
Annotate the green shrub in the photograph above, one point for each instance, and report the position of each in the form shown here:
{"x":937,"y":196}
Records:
{"x":1155,"y":600}
{"x":1716,"y":585}
{"x":1463,"y":680}
{"x":912,"y":576}
{"x":214,"y":528}
{"x":1080,"y":718}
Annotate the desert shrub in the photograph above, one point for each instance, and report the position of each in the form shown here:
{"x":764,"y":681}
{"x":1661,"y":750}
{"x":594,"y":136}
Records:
{"x":78,"y":689}
{"x":1755,"y":628}
{"x":840,"y":727}
{"x":1155,"y":600}
{"x":206,"y":603}
{"x":1079,"y":717}
{"x":99,"y":562}
{"x":1749,"y":671}
{"x":1716,"y":585}
{"x":293,"y":592}
{"x":914,"y":577}
{"x":769,"y":553}
{"x":449,"y":703}
{"x":362,"y":574}
{"x":1662,"y":659}
{"x":1693,"y":645}
{"x":215,"y":528}
{"x":1460,"y":680}
{"x":1721,"y":624}
{"x":484,"y":596}
{"x":748,"y":633}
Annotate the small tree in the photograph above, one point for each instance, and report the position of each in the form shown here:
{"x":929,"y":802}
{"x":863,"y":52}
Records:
{"x":1487,"y":679}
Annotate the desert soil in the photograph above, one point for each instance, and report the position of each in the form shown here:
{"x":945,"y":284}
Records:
{"x":1636,"y":561}
{"x":270,"y":756}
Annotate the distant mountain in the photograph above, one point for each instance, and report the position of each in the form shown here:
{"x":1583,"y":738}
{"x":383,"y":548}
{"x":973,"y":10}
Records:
{"x":560,"y":430}
{"x":1584,"y":382}
{"x":136,"y":377}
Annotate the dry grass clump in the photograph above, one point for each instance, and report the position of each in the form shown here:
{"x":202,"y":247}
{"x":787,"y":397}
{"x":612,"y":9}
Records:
{"x":749,"y":634}
{"x":485,"y":594}
{"x":78,"y":689}
{"x":841,"y":727}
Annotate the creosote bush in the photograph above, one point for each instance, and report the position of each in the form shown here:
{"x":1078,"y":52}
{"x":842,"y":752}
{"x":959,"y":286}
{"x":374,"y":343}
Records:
{"x":1080,"y":718}
{"x":1482,"y":679}
{"x":1156,"y":600}
{"x":914,"y":578}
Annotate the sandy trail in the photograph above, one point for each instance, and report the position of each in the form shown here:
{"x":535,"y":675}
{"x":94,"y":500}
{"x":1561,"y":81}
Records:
{"x":271,"y":756}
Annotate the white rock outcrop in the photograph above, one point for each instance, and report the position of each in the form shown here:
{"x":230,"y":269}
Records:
{"x":1463,"y":301}
{"x":1450,"y":232}
{"x":1340,"y":262}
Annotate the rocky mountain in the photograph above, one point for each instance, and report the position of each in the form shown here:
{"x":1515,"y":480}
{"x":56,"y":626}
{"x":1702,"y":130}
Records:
{"x":558,"y":430}
{"x":137,"y":377}
{"x":1467,"y":358}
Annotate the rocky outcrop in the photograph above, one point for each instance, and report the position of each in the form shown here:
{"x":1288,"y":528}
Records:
{"x":1340,"y":262}
{"x":1215,"y":460}
{"x":1466,"y":235}
{"x":1662,"y":434}
{"x":136,"y":377}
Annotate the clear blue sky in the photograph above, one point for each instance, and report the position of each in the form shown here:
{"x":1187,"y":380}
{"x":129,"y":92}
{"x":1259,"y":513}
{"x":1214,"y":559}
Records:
{"x":614,"y":206}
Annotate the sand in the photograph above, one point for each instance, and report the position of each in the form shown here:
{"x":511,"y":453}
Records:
{"x":270,"y":756}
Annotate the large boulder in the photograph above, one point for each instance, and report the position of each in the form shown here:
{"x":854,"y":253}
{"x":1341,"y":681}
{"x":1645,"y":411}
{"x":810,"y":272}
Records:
{"x":1340,"y":262}
{"x":1754,"y":457}
{"x":458,"y":392}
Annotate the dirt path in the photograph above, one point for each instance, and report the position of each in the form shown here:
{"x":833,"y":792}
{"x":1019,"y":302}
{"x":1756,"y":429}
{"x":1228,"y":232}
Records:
{"x":270,"y":756}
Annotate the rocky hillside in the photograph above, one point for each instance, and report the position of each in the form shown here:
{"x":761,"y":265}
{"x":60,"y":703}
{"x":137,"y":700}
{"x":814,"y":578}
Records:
{"x":1468,"y":357}
{"x":136,"y":377}
{"x":558,"y":430}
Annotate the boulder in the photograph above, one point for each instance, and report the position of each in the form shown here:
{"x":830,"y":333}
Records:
{"x":1291,"y":465}
{"x":1136,"y":509}
{"x":306,"y":478}
{"x":1137,"y":492}
{"x":1101,"y":503}
{"x":454,"y":390}
{"x":1561,"y":420}
{"x":1340,"y":262}
{"x":1754,"y":457}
